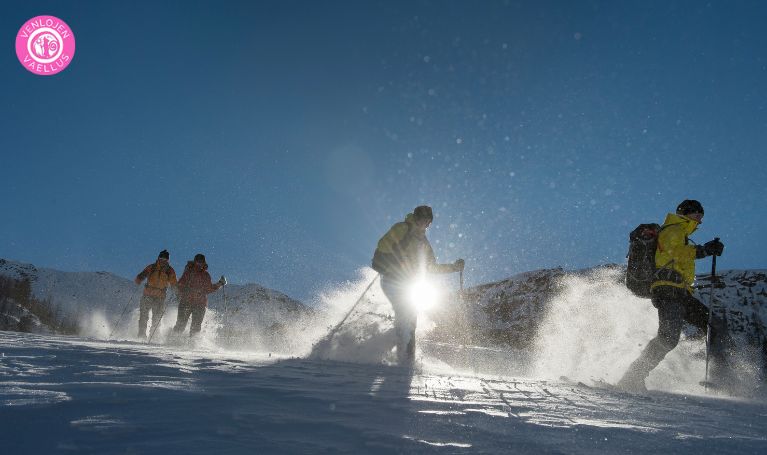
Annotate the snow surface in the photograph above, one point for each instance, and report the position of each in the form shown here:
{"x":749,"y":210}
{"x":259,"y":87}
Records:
{"x":236,"y":391}
{"x":68,"y":394}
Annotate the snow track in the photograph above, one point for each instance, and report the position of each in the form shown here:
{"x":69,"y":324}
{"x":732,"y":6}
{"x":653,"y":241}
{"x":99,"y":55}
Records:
{"x":61,"y":394}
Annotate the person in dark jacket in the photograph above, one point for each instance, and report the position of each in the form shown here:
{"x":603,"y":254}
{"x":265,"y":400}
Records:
{"x":159,"y":276}
{"x":193,"y":287}
{"x":672,"y":290}
{"x":402,"y":255}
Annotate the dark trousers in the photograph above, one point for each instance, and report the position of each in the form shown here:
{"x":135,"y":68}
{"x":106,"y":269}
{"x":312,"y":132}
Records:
{"x":405,"y":317}
{"x":154,"y":304}
{"x":675,"y":307}
{"x":186,"y":309}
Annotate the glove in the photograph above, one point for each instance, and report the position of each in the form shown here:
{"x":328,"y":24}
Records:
{"x":713,"y":248}
{"x":459,"y":265}
{"x":222,"y":281}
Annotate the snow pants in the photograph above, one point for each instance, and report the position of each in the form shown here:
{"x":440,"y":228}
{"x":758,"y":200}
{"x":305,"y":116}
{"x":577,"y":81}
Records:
{"x":675,"y":306}
{"x":405,"y":317}
{"x":186,"y":309}
{"x":154,"y":304}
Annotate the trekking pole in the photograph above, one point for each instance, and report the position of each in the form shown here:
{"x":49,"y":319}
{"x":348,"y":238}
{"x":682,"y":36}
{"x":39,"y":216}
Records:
{"x":710,"y":314}
{"x":226,"y":307}
{"x":125,"y":308}
{"x":338,"y":326}
{"x":155,"y":326}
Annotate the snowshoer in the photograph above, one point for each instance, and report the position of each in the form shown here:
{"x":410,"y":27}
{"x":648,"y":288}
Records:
{"x":193,"y":287}
{"x":158,"y":276}
{"x":671,"y":290}
{"x":403,"y":254}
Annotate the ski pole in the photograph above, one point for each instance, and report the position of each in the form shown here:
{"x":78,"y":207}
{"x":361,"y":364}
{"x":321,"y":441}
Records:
{"x":155,"y":326}
{"x":461,"y":281}
{"x":226,"y":307}
{"x":338,"y":326}
{"x":710,"y":313}
{"x":125,"y":308}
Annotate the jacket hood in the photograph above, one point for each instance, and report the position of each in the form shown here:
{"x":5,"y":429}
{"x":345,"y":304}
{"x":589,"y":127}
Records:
{"x":190,"y":265}
{"x":688,"y":224}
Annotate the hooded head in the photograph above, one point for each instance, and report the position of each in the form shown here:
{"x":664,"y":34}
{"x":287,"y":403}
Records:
{"x":163,"y":255}
{"x":199,"y":262}
{"x":423,"y":213}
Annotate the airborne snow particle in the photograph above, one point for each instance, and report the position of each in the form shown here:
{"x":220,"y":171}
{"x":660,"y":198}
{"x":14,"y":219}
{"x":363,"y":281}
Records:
{"x":459,"y":141}
{"x":578,"y":36}
{"x":426,"y":59}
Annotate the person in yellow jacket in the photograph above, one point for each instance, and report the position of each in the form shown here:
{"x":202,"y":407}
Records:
{"x":159,"y":276}
{"x":402,"y":255}
{"x":671,"y":291}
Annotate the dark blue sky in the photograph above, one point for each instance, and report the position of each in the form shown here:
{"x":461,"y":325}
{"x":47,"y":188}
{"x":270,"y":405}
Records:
{"x":282,"y":138}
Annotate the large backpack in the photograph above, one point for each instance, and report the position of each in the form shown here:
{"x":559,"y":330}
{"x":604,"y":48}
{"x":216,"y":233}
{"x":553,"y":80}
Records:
{"x":159,"y":276}
{"x":640,"y":272}
{"x":387,"y":263}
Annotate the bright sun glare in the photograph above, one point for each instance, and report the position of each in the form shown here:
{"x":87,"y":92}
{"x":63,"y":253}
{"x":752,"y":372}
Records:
{"x":423,"y":295}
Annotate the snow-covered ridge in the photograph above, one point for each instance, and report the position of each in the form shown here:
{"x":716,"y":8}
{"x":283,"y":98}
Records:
{"x":510,"y":311}
{"x":506,"y":312}
{"x":82,"y":294}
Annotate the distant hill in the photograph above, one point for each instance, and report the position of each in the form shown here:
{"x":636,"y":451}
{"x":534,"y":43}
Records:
{"x":80,"y":295}
{"x":501,"y":313}
{"x":509,"y":311}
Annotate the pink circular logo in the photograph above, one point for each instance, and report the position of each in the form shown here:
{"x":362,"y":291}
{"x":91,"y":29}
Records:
{"x":45,"y":45}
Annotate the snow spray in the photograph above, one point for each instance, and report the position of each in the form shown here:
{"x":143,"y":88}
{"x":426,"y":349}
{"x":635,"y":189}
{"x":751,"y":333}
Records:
{"x":595,"y":328}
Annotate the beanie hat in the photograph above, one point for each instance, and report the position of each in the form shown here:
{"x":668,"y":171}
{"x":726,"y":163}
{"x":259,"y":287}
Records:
{"x":689,"y":206}
{"x":164,"y":254}
{"x":423,"y":212}
{"x":199,"y":257}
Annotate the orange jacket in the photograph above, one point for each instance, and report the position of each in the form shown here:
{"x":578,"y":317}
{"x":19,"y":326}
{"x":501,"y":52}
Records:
{"x":158,"y":277}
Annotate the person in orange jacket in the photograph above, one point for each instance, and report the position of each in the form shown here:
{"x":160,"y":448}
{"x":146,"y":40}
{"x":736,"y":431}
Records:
{"x":159,"y":276}
{"x":194,"y":286}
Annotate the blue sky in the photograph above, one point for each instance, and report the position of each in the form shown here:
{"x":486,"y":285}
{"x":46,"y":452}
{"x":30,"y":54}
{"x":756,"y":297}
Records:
{"x":282,"y":139}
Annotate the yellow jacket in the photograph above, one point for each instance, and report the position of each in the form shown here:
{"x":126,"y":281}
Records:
{"x":404,"y":251}
{"x":675,"y":256}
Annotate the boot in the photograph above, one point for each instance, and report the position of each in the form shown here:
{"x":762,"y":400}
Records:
{"x":632,"y":382}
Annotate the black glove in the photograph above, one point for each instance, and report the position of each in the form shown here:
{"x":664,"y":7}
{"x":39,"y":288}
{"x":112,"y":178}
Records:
{"x":713,"y":248}
{"x":222,"y":281}
{"x":459,"y":265}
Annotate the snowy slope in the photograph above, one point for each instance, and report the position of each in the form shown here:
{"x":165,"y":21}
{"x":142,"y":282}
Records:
{"x":97,"y":299}
{"x":66,"y":394}
{"x":511,"y":311}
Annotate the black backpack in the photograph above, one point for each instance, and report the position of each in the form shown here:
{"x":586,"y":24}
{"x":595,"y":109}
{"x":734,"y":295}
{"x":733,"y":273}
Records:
{"x":640,"y":272}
